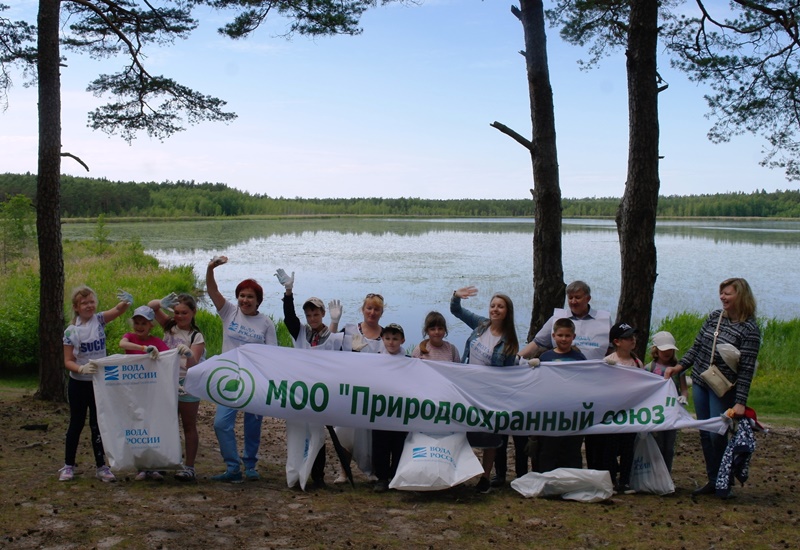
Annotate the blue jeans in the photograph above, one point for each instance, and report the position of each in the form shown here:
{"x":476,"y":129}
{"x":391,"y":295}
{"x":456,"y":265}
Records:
{"x":708,"y":405}
{"x":224,"y":421}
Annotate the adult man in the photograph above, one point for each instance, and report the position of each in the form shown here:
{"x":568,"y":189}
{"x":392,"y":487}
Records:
{"x":591,"y":337}
{"x":591,"y":326}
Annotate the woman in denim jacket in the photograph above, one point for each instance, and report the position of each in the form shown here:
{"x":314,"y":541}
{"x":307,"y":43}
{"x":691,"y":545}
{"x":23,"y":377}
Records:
{"x":493,"y":342}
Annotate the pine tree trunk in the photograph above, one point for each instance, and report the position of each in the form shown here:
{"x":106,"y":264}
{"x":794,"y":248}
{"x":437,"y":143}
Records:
{"x":548,"y":273}
{"x":48,"y":207}
{"x":636,"y":217}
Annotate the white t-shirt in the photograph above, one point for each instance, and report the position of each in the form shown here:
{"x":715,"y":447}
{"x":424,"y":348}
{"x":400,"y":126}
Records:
{"x":88,"y":341}
{"x":239,"y":329}
{"x":482,"y":347}
{"x":350,"y":330}
{"x":177,"y":336}
{"x":591,"y":332}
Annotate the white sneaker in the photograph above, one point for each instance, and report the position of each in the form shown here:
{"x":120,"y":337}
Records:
{"x":141,"y":476}
{"x":66,"y":473}
{"x":105,"y":475}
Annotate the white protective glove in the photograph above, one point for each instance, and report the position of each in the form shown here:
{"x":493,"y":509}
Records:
{"x":285,"y":280}
{"x":682,"y":400}
{"x":184,"y":350}
{"x":152,"y":351}
{"x":88,"y":368}
{"x":169,"y":301}
{"x":335,"y":310}
{"x":359,"y":342}
{"x":124,"y":296}
{"x":533,"y":363}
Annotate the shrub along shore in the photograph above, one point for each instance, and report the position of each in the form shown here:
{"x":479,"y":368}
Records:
{"x":107,"y":269}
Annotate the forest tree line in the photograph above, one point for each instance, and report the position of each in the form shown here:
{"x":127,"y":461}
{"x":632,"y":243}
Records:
{"x":90,"y":197}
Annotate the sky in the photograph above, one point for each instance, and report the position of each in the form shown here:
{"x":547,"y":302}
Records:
{"x":402,"y":110}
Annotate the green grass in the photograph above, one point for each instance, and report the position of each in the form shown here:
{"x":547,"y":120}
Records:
{"x":106,"y":270}
{"x":19,"y":381}
{"x":777,"y":382}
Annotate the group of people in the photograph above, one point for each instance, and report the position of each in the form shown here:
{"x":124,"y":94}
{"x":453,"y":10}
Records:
{"x":575,"y":333}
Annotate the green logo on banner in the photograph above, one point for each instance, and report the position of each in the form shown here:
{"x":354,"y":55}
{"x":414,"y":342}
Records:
{"x":232,"y":386}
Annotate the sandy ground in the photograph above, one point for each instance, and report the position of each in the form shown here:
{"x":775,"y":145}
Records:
{"x":37,"y":511}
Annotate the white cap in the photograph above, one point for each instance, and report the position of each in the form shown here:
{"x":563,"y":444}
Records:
{"x":664,"y":340}
{"x":144,"y":311}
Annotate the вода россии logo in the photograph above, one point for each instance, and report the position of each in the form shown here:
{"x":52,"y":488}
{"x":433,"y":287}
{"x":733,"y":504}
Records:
{"x":231,"y":386}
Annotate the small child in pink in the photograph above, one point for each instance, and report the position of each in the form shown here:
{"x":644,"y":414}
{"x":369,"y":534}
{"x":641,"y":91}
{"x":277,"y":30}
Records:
{"x":434,"y":347}
{"x":140,"y":342}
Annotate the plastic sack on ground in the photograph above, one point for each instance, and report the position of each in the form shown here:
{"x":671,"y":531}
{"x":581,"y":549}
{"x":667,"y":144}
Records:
{"x":137,"y":411}
{"x":357,"y":442}
{"x":649,"y":473}
{"x":431,"y":462}
{"x":569,"y":483}
{"x":303,"y":442}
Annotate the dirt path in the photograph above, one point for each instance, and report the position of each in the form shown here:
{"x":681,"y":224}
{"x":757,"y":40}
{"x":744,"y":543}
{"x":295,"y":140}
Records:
{"x":37,"y":511}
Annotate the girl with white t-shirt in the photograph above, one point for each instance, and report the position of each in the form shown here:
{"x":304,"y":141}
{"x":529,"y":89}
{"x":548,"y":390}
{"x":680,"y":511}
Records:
{"x":181,"y":333}
{"x":85,"y":340}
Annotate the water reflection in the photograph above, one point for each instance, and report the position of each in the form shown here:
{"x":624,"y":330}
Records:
{"x":416,"y":264}
{"x":215,"y":234}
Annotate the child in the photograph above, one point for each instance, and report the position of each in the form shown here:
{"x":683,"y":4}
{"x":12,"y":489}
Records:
{"x":663,"y":355}
{"x":434,"y":348}
{"x":140,"y":342}
{"x":387,"y":446}
{"x":315,"y":335}
{"x":623,"y":339}
{"x":181,"y":333}
{"x":565,"y":451}
{"x":84,"y":341}
{"x":563,"y":336}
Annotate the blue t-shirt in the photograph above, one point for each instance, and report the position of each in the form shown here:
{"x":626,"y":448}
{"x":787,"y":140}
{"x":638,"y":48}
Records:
{"x":572,"y":355}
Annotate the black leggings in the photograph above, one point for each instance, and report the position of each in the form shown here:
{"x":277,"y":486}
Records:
{"x":81,"y":396}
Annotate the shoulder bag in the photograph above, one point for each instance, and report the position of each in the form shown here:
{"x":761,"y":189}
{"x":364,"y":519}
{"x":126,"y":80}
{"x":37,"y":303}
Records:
{"x":712,"y":376}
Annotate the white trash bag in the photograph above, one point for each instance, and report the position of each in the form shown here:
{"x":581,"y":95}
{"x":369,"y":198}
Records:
{"x":431,"y":462}
{"x":137,"y":410}
{"x":569,"y":483}
{"x":649,"y":473}
{"x":357,"y":442}
{"x":303,"y":442}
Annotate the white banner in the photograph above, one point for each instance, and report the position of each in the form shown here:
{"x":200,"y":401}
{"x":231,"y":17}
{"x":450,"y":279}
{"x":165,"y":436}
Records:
{"x":137,"y":410}
{"x":400,"y":393}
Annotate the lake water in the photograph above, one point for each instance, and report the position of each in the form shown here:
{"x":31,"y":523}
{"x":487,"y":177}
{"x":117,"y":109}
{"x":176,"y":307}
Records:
{"x":416,"y":264}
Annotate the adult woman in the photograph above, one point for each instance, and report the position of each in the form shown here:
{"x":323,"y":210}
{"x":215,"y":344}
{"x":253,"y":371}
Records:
{"x":181,"y":333}
{"x":241,"y":324}
{"x":366,"y":335}
{"x":363,"y":337}
{"x":493,"y":342}
{"x":734,"y":324}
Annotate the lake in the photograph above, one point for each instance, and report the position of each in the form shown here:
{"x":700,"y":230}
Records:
{"x":417,"y":263}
